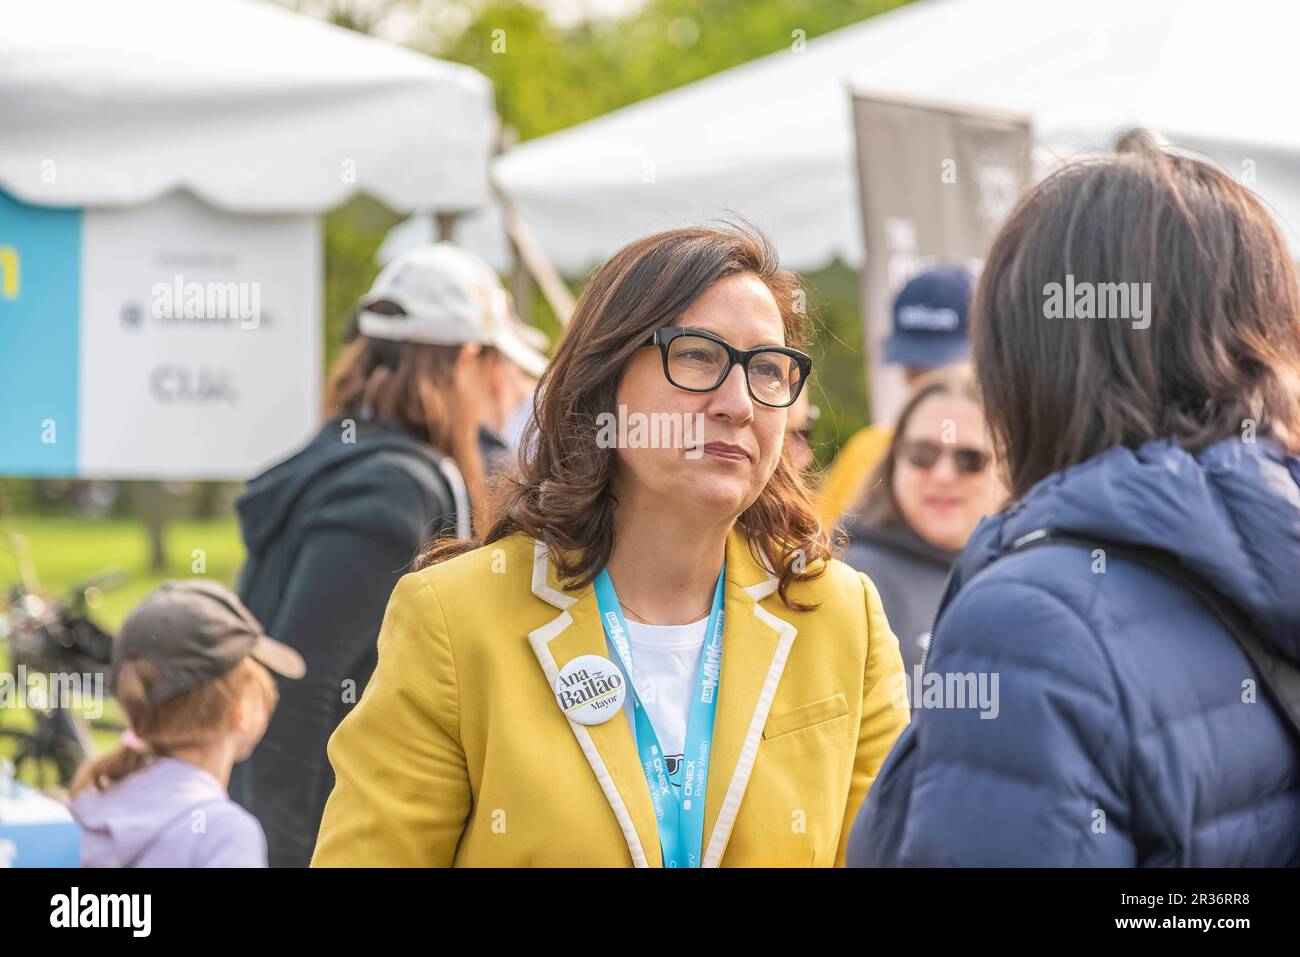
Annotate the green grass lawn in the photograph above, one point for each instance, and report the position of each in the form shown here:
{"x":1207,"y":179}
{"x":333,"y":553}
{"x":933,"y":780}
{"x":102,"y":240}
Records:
{"x":66,"y":551}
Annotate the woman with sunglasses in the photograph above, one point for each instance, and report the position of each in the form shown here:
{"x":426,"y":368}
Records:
{"x":651,"y":659}
{"x":923,"y":501}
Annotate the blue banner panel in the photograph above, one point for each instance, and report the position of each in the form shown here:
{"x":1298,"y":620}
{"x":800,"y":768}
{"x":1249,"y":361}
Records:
{"x":40,"y":331}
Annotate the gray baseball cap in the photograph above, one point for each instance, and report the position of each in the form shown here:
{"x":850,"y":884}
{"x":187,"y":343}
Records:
{"x":195,"y":630}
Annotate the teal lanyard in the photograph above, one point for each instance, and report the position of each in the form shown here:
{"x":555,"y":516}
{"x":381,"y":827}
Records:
{"x":681,"y":821}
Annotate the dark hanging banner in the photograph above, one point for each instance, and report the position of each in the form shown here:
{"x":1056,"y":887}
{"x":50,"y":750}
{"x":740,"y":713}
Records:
{"x":936,"y":183}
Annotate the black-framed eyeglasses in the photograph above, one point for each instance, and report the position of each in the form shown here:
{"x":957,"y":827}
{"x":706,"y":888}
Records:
{"x":699,"y":361}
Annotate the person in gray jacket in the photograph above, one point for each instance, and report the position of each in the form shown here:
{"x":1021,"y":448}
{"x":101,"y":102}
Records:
{"x":925,"y":498}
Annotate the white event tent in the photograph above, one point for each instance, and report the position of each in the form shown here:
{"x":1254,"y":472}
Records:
{"x":163,"y":168}
{"x":773,"y":139}
{"x":249,"y":106}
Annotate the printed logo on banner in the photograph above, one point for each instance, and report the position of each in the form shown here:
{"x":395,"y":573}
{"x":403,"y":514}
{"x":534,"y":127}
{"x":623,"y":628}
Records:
{"x":202,"y":332}
{"x":999,"y":188}
{"x":10,"y":276}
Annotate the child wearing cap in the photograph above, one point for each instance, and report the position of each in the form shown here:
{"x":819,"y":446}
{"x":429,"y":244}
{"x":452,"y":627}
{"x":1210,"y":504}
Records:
{"x":190,"y":673}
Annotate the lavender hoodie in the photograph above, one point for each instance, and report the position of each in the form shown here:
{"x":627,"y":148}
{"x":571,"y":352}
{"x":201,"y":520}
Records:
{"x":152,"y":819}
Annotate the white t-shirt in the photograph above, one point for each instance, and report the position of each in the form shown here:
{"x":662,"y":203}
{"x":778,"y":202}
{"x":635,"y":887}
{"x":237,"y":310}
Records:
{"x":666,"y":659}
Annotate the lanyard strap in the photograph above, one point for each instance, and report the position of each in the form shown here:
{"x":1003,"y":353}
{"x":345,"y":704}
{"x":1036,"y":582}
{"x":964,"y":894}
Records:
{"x":681,"y":820}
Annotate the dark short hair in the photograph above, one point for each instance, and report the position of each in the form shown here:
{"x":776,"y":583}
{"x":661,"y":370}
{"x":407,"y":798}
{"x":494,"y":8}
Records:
{"x":1223,"y":344}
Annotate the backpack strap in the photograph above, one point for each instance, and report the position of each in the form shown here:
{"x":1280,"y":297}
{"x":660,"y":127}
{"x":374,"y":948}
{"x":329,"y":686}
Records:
{"x":1279,"y":675}
{"x":459,"y":495}
{"x":425,"y":462}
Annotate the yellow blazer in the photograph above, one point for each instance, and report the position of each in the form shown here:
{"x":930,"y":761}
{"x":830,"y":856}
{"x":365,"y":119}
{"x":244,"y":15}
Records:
{"x":458,"y":754}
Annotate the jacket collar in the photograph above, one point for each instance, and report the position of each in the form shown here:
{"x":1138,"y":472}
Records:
{"x":900,"y":537}
{"x":755,"y":647}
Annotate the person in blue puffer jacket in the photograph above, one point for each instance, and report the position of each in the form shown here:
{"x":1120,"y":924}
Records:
{"x":1077,"y":708}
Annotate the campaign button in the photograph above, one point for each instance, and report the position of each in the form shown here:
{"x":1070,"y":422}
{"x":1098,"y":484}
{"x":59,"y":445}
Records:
{"x":590,"y":689}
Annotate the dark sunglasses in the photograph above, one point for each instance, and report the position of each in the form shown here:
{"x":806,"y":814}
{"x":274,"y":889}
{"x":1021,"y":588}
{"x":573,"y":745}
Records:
{"x":923,"y":454}
{"x":699,"y":361}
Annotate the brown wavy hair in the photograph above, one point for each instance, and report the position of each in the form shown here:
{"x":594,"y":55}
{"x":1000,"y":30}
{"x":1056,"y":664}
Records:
{"x":1223,"y":344}
{"x":412,"y":384}
{"x":563,"y":494}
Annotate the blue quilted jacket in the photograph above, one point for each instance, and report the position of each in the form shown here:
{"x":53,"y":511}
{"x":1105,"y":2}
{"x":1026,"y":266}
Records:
{"x":1117,"y":723}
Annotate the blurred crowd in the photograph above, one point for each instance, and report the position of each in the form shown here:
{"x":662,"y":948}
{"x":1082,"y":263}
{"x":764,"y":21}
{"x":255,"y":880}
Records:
{"x":980,"y":516}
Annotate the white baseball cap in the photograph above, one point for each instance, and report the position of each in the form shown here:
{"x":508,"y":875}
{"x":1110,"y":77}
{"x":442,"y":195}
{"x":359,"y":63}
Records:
{"x":448,"y":297}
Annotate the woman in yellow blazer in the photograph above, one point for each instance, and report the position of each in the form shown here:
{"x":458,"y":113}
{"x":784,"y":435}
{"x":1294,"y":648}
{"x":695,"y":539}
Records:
{"x":656,"y":531}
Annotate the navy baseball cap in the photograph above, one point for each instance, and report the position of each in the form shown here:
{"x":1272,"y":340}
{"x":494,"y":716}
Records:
{"x":930,"y":328}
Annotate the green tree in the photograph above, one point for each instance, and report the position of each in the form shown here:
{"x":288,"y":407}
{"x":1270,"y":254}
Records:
{"x":549,"y":77}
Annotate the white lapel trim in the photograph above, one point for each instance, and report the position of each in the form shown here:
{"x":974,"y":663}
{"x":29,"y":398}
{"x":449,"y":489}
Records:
{"x":540,"y":639}
{"x":541,"y":587}
{"x":726,"y":819}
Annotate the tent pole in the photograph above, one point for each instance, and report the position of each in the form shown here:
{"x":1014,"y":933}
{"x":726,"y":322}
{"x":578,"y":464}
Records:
{"x":530,"y":252}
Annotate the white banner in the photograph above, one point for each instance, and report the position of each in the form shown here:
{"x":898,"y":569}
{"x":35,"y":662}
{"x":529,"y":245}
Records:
{"x":194,"y":351}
